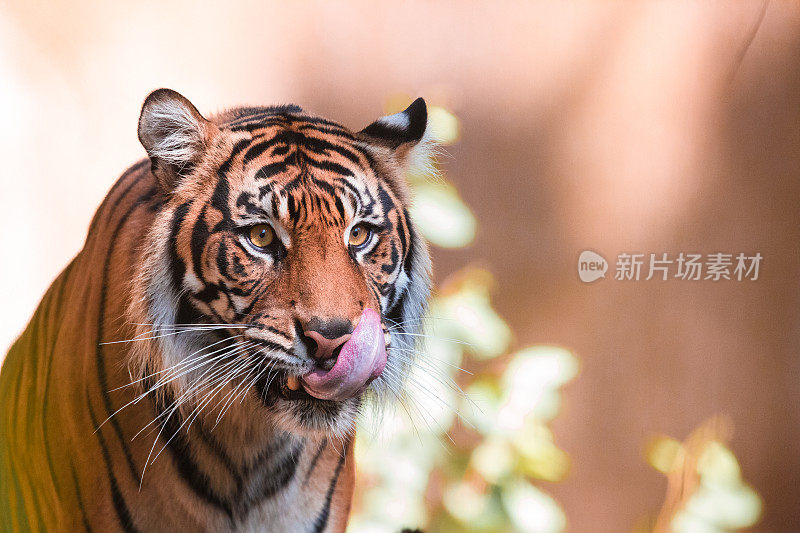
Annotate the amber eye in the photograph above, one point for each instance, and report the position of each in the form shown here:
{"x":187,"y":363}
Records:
{"x":359,"y":234}
{"x":261,"y":235}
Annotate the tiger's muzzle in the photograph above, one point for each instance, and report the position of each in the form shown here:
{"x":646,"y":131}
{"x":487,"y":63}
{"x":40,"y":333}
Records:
{"x":361,"y":359}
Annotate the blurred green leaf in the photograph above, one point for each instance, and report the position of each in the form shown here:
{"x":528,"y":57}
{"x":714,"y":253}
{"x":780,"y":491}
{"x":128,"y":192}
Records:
{"x":718,"y":466}
{"x":467,"y":316}
{"x":445,"y":126}
{"x":442,"y":216}
{"x":664,"y":454}
{"x":494,"y":459}
{"x":531,"y":510}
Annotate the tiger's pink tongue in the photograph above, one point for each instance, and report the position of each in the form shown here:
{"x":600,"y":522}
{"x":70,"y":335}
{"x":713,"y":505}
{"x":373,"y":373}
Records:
{"x":361,"y":359}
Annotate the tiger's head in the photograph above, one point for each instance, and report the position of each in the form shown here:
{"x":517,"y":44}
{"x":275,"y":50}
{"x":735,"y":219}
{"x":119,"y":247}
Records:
{"x":283,"y":267}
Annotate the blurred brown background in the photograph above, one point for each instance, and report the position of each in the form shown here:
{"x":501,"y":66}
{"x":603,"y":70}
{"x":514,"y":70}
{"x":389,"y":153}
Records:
{"x":640,"y":127}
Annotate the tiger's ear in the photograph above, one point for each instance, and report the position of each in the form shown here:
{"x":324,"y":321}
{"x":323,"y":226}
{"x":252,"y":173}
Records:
{"x":402,"y":131}
{"x":175,"y":135}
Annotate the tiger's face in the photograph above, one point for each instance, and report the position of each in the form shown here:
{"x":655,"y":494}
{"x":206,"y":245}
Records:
{"x":286,"y":246}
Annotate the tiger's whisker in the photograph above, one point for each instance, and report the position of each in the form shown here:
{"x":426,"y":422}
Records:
{"x":144,"y":394}
{"x":424,"y":336}
{"x":191,"y":390}
{"x":237,"y":349}
{"x":203,"y":402}
{"x":232,"y":395}
{"x":168,"y":334}
{"x":193,"y":386}
{"x":423,"y":355}
{"x":176,"y":365}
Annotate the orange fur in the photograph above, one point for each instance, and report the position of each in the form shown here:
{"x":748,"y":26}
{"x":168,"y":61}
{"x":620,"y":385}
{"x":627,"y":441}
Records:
{"x":136,"y":435}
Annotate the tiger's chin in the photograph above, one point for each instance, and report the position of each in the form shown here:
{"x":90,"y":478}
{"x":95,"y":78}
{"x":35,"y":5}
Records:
{"x":296,"y":411}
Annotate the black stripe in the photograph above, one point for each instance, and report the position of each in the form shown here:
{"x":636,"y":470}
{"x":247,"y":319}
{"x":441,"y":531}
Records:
{"x":238,"y":148}
{"x":401,"y":232}
{"x":388,"y":268}
{"x":251,"y":127}
{"x":219,"y":198}
{"x":258,"y":149}
{"x":200,"y":236}
{"x":63,"y":280}
{"x":321,"y":146}
{"x":367,"y":206}
{"x":208,"y":294}
{"x":276,"y":478}
{"x":251,"y":205}
{"x":329,"y":166}
{"x":324,"y":185}
{"x":187,"y":313}
{"x":102,"y":209}
{"x":177,"y":264}
{"x":120,"y":506}
{"x":320,"y":120}
{"x":340,"y":207}
{"x":271,"y":345}
{"x":324,"y":514}
{"x":80,"y":498}
{"x":283,"y":137}
{"x":273,"y":200}
{"x":100,"y":362}
{"x":375,"y":293}
{"x":282,"y":149}
{"x":222,"y":263}
{"x":248,"y":114}
{"x":327,"y":130}
{"x":274,"y":447}
{"x":387,"y":204}
{"x":219,"y":451}
{"x":278,"y":332}
{"x":181,"y":453}
{"x":270,"y":170}
{"x":314,"y":460}
{"x":410,"y":257}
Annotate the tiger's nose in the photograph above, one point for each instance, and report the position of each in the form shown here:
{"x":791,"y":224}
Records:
{"x":324,"y":339}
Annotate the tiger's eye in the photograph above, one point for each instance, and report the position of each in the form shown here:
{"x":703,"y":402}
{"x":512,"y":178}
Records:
{"x":261,"y":235}
{"x":358,"y":235}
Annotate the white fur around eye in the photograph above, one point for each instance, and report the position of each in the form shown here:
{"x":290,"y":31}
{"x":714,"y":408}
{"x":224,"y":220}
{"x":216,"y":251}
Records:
{"x":267,"y":257}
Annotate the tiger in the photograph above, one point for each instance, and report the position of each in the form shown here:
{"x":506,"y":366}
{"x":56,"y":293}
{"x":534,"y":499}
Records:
{"x":242,"y":294}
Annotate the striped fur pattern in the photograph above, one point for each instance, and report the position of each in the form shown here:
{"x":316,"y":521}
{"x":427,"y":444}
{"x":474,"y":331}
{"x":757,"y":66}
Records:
{"x":150,"y":390}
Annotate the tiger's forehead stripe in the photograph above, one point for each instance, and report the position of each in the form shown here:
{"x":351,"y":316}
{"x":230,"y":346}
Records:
{"x":308,"y":164}
{"x":314,"y":135}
